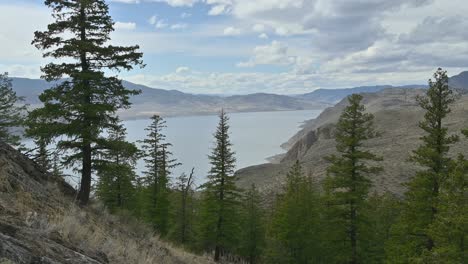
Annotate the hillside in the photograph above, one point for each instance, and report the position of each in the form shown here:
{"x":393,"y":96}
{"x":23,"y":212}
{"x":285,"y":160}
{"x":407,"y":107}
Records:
{"x":335,"y":95}
{"x":396,"y":117}
{"x":39,"y":223}
{"x":174,"y":103}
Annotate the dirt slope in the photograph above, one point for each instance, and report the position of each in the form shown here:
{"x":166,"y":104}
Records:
{"x":39,"y":223}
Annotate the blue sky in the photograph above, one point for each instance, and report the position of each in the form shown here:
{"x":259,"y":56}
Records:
{"x":276,"y":46}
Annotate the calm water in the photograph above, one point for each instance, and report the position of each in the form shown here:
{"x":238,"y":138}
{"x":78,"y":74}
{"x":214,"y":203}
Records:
{"x":255,"y":136}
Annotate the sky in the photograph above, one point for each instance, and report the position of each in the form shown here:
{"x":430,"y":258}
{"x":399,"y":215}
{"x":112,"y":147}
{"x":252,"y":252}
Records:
{"x":271,"y":46}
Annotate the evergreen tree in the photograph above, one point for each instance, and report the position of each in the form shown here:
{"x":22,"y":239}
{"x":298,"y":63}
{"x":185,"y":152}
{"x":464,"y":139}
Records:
{"x":380,"y":213}
{"x":115,"y":169}
{"x":182,"y":231}
{"x":11,"y":113}
{"x":450,"y":228}
{"x":295,"y":226}
{"x":156,"y":179}
{"x":78,"y":109}
{"x":412,"y":238}
{"x":252,"y":226}
{"x":347,"y":184}
{"x":219,"y":228}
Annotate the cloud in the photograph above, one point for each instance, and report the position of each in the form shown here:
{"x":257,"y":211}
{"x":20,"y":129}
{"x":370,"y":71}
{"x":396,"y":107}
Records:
{"x":178,"y":3}
{"x":258,"y":28}
{"x":218,"y":10}
{"x":274,"y":54}
{"x":231,"y":31}
{"x":183,"y":70}
{"x":185,"y":15}
{"x":263,"y":36}
{"x":125,"y":25}
{"x":179,"y":26}
{"x":126,"y":1}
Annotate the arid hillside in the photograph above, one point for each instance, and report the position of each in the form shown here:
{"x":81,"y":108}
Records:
{"x":396,"y":116}
{"x":39,"y":223}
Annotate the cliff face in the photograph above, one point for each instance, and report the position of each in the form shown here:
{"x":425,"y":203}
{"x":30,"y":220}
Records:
{"x":39,"y":223}
{"x":396,"y":116}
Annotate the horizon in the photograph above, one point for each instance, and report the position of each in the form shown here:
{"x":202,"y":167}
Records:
{"x":280,"y":47}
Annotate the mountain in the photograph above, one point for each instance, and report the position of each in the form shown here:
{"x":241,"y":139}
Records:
{"x":459,"y":81}
{"x":397,"y":116}
{"x":335,"y":95}
{"x":40,"y":223}
{"x":173,"y":103}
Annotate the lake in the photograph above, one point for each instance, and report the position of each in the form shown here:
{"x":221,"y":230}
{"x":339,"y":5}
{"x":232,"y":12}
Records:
{"x":255,"y":137}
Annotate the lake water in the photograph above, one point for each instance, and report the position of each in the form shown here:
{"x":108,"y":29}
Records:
{"x":255,"y":137}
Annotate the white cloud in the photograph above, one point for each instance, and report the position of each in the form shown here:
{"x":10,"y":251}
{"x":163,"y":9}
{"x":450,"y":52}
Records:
{"x":185,"y":15}
{"x":274,"y":54}
{"x":183,"y":70}
{"x":125,"y":25}
{"x":217,"y":10}
{"x":258,"y":28}
{"x":179,"y":26}
{"x":177,"y":3}
{"x":152,"y":20}
{"x":126,"y":1}
{"x":263,"y":36}
{"x":231,"y":31}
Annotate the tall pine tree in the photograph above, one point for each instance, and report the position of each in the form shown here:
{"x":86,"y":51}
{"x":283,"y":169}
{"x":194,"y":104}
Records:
{"x":115,"y":170}
{"x":450,"y":228}
{"x":11,"y":111}
{"x":220,"y":196}
{"x":78,"y":109}
{"x":347,"y":184}
{"x":183,"y":206}
{"x":295,"y":225}
{"x":412,"y":238}
{"x":252,"y":241}
{"x":156,"y":179}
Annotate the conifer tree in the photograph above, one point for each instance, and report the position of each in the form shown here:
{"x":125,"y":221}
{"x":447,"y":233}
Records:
{"x":182,"y":231}
{"x":78,"y":109}
{"x":295,"y":227}
{"x":252,"y":226}
{"x":450,"y":228}
{"x":412,"y":238}
{"x":219,"y":228}
{"x":11,"y":111}
{"x":347,"y":184}
{"x":156,"y":179}
{"x":115,"y":170}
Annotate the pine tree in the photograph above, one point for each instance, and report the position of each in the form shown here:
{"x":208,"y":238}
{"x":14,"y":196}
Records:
{"x":156,"y":179}
{"x":220,"y":196}
{"x":11,"y":113}
{"x":78,"y":109}
{"x":347,"y":184}
{"x":182,"y":231}
{"x":115,"y":170}
{"x":450,"y":228}
{"x":412,"y":238}
{"x":252,"y":226}
{"x":295,"y":225}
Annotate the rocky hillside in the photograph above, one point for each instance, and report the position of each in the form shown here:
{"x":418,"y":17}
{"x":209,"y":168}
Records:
{"x":39,"y":223}
{"x":396,"y":117}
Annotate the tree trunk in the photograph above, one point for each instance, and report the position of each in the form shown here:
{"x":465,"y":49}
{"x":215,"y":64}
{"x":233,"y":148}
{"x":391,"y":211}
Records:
{"x":85,"y":187}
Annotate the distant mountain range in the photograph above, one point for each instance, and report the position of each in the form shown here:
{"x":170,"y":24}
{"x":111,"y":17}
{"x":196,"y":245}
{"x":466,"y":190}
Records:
{"x":173,"y":103}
